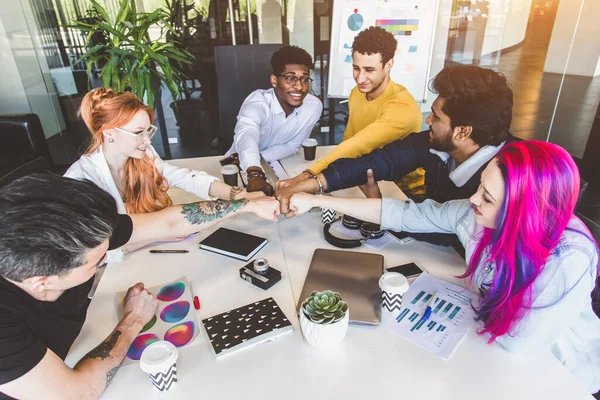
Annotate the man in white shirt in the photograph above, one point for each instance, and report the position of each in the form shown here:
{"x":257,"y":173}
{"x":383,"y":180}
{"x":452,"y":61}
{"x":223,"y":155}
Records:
{"x":274,"y":122}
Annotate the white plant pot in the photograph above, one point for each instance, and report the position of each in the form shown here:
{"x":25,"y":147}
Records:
{"x":324,"y":336}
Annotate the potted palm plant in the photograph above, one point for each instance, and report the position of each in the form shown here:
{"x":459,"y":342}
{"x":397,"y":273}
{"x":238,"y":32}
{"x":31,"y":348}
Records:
{"x":130,"y":60}
{"x":324,"y":319}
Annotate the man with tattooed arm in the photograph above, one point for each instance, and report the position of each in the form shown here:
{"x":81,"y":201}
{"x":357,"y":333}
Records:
{"x":55,"y":234}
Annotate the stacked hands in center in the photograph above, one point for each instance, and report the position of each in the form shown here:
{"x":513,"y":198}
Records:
{"x":292,"y":196}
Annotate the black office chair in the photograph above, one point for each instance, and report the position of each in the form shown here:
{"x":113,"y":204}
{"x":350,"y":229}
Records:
{"x":23,"y":148}
{"x":240,"y":71}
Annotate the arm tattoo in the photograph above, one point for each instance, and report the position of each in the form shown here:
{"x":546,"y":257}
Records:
{"x":208,"y":211}
{"x":111,"y":374}
{"x":103,"y":350}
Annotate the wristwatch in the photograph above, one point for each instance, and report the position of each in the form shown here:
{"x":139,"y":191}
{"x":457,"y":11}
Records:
{"x":234,"y":191}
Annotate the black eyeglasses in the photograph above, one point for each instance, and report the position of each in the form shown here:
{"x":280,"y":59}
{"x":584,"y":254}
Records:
{"x":292,"y":80}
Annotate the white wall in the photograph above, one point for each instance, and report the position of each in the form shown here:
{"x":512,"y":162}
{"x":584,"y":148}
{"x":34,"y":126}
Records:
{"x":440,"y":42}
{"x":517,"y":18}
{"x":506,"y":25}
{"x":586,"y":46}
{"x":26,"y":82}
{"x":13,"y":99}
{"x":300,"y":22}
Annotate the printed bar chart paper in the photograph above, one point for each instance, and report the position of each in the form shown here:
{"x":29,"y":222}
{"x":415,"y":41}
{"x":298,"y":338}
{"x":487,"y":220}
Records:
{"x":447,"y":325}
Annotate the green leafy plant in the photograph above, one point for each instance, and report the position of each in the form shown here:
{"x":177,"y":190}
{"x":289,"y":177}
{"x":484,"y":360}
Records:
{"x":325,"y":307}
{"x":130,"y":60}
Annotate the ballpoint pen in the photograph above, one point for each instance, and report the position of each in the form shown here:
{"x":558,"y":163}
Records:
{"x":168,"y":251}
{"x":428,"y":309}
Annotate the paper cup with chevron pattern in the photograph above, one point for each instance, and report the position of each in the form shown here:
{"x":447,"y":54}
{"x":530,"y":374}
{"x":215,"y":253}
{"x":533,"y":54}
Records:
{"x":327,"y":215}
{"x":393,"y":286}
{"x":159,"y":361}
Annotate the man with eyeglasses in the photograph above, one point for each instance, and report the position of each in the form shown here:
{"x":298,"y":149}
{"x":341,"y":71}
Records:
{"x":274,"y":122}
{"x":380,"y":111}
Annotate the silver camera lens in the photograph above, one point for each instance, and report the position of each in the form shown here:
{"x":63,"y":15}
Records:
{"x":261,"y":265}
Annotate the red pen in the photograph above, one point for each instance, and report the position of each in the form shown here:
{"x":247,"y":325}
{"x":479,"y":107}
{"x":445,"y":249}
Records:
{"x":195,"y":298}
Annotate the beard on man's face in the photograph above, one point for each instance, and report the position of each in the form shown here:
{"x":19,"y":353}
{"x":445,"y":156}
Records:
{"x":442,"y":143}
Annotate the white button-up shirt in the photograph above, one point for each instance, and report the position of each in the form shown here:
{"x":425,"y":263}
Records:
{"x":263,"y":129}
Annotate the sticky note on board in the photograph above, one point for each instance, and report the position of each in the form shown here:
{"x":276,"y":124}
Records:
{"x":410,"y":67}
{"x":412,"y":49}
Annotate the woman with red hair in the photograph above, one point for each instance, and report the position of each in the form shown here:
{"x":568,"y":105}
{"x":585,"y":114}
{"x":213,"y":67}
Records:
{"x":121,"y":160}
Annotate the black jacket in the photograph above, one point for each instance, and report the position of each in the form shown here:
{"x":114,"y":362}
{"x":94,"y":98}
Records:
{"x":397,"y":159}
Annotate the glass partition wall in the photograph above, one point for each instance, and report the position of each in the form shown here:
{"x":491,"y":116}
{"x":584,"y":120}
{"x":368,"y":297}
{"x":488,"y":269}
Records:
{"x":546,"y":48}
{"x":42,"y":54}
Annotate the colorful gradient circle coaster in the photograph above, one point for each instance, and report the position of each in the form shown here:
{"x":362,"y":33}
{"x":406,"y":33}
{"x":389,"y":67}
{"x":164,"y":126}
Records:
{"x":149,"y":325}
{"x":175,"y":312}
{"x":139,"y":344}
{"x":180,"y":334}
{"x":171,"y":292}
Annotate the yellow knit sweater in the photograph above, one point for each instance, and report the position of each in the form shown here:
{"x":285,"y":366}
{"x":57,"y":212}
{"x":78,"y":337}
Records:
{"x":373,"y":124}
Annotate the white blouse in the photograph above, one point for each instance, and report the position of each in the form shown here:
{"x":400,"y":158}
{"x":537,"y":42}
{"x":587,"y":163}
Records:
{"x":95,"y":168}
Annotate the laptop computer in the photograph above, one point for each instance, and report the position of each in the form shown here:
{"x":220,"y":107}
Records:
{"x":354,"y":275}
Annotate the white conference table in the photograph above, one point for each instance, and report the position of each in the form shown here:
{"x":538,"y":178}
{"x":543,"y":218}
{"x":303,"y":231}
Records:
{"x":370,"y":362}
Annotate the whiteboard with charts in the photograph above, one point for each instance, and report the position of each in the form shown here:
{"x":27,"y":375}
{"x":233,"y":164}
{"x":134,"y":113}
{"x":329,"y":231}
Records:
{"x":412,"y":22}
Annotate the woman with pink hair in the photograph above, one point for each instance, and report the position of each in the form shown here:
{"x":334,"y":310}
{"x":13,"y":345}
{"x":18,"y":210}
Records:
{"x":534,"y":261}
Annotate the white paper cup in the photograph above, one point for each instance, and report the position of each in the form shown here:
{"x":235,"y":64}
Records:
{"x":159,"y":361}
{"x":393,"y":286}
{"x":327,"y":215}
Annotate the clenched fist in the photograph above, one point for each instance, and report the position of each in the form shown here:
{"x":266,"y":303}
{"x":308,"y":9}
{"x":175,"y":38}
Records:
{"x":140,"y":304}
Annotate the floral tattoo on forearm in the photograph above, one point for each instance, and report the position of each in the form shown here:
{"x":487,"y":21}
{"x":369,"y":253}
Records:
{"x":208,"y":211}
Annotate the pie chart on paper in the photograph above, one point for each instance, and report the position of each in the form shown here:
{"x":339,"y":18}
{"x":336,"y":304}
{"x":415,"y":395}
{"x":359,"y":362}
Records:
{"x":355,"y":21}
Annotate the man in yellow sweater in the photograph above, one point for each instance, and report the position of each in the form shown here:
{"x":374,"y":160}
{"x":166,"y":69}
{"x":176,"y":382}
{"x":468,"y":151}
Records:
{"x":381,"y":111}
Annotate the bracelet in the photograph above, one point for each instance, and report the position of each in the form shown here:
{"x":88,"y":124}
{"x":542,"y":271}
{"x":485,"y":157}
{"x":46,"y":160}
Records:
{"x":320,"y":184}
{"x":310,"y":173}
{"x":233,"y":192}
{"x":255,"y":174}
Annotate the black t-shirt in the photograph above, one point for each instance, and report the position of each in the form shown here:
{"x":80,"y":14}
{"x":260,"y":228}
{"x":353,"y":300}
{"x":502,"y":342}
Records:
{"x":28,"y":327}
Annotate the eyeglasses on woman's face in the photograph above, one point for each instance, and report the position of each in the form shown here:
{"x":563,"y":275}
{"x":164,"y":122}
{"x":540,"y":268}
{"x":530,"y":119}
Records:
{"x":148,"y":133}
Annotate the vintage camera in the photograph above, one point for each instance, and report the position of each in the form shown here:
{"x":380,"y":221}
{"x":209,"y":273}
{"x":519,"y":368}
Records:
{"x":259,"y":273}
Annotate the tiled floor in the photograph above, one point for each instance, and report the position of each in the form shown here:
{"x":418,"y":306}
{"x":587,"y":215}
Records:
{"x":536,"y":93}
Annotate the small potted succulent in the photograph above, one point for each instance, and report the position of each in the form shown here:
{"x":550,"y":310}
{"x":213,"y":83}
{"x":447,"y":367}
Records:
{"x":324,"y":319}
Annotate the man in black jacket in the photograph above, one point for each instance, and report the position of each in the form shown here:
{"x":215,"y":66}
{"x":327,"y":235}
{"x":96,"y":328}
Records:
{"x":468,"y":124}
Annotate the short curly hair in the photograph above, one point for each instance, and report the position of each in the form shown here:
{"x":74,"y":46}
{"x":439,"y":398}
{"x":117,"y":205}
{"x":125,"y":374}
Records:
{"x":476,"y":97}
{"x":375,"y":40}
{"x":290,"y":55}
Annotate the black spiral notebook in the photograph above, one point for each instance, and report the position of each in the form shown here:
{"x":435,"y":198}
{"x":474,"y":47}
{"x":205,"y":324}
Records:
{"x":246,"y":327}
{"x":240,"y":245}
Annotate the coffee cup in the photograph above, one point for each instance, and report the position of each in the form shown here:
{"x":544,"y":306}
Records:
{"x":159,"y":361}
{"x":230,"y":174}
{"x":310,"y":148}
{"x":393,"y":286}
{"x":328,"y":215}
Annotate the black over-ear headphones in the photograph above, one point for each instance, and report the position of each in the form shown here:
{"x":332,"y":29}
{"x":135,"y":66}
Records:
{"x":367,"y":229}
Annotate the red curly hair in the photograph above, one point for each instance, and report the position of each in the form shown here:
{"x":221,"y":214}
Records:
{"x":145,"y":187}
